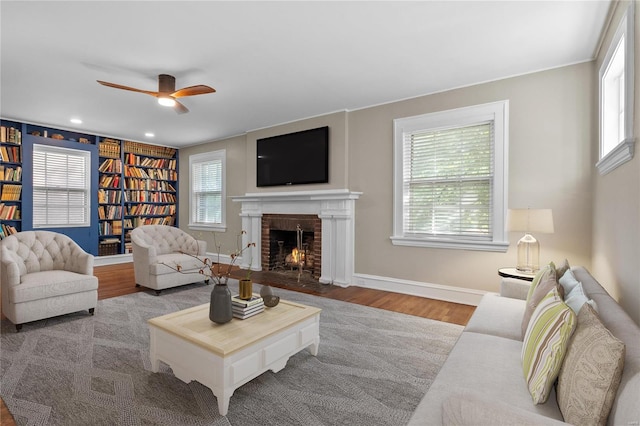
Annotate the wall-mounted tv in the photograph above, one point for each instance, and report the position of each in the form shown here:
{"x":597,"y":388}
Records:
{"x":294,"y":159}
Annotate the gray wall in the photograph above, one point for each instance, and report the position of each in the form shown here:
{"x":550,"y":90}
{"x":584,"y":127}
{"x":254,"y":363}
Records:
{"x":553,"y":131}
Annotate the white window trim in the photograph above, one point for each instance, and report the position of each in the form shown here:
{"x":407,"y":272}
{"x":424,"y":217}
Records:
{"x":624,"y":151}
{"x":86,"y":155}
{"x":200,"y":158}
{"x":498,"y":112}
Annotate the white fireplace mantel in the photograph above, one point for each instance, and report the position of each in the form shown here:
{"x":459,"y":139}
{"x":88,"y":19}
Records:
{"x":336,"y":209}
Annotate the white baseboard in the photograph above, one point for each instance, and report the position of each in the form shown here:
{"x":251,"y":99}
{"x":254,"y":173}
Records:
{"x":112,"y":260}
{"x":465,"y":296}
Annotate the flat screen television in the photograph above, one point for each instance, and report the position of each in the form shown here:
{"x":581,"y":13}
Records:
{"x":294,"y":159}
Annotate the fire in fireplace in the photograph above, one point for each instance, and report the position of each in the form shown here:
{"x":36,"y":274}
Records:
{"x":292,"y":244}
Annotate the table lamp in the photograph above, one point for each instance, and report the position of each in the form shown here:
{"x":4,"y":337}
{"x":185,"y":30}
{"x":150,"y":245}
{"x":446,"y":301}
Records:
{"x":529,"y":220}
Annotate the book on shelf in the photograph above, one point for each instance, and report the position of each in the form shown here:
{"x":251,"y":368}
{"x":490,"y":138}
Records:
{"x":6,"y":230}
{"x":10,"y":135}
{"x":9,"y":212}
{"x":237,"y":301}
{"x":10,"y":192}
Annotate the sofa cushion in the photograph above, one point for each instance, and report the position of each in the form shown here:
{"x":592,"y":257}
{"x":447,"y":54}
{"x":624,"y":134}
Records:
{"x":544,"y":281}
{"x":43,"y":285}
{"x":471,"y":408}
{"x":591,"y":372}
{"x":545,"y":344}
{"x":488,"y":364}
{"x":497,"y":315}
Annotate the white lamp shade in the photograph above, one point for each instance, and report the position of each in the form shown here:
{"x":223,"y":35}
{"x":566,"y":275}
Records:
{"x":530,"y":220}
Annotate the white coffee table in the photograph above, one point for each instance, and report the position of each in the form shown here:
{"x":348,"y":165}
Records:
{"x":224,"y":357}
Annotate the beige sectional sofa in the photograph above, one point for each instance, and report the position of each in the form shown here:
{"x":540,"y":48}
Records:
{"x":482,"y":381}
{"x":158,"y":250}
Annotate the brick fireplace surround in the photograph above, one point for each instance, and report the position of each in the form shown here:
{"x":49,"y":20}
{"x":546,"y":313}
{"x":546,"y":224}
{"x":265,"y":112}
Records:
{"x":311,"y":225}
{"x":336,"y":212}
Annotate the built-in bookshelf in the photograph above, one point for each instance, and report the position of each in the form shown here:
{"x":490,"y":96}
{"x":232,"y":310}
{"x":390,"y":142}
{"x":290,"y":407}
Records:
{"x":132,"y":184}
{"x":110,"y":197}
{"x":137,"y":186}
{"x":10,"y":178}
{"x":150,"y":181}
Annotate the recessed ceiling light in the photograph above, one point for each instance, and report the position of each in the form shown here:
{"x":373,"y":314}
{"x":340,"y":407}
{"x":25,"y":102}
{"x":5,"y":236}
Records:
{"x":149,"y":134}
{"x":76,"y":121}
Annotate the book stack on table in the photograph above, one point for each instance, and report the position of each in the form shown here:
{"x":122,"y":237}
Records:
{"x":243,"y":309}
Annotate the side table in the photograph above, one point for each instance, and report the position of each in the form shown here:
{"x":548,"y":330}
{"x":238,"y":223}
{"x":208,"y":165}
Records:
{"x":514,"y":273}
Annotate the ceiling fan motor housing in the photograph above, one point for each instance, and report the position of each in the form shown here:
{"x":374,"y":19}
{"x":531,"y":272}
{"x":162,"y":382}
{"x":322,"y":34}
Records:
{"x":166,"y":83}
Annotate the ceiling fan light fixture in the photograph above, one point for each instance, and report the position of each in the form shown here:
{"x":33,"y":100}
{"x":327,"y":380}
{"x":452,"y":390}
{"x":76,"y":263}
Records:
{"x":166,"y":101}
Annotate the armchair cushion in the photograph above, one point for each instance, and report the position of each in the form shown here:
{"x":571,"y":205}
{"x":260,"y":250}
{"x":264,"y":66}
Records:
{"x":43,"y":285}
{"x":167,"y":264}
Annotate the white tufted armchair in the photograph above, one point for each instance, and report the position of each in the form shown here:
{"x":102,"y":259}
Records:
{"x":156,"y":246}
{"x":45,"y":274}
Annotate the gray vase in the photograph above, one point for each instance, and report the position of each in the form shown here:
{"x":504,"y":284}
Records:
{"x":220,"y":308}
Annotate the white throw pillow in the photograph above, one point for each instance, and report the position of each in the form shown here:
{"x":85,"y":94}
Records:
{"x":577,"y":297}
{"x":568,"y":281}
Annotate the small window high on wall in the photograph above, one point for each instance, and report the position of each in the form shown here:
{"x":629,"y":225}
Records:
{"x":61,"y":187}
{"x":616,"y":97}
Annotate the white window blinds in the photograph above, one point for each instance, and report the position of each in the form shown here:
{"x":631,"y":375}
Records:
{"x":61,"y":187}
{"x":207,"y":189}
{"x":447,"y":181}
{"x":450,"y":178}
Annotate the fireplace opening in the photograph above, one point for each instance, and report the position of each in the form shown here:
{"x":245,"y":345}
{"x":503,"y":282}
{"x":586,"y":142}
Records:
{"x":291,"y":244}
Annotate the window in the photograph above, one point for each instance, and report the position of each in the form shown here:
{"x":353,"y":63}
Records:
{"x":450,"y":178}
{"x":616,"y":98}
{"x":61,"y":187}
{"x":207,"y":190}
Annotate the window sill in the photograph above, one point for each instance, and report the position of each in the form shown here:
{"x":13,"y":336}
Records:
{"x":617,"y":157}
{"x":495,"y":246}
{"x":202,"y":227}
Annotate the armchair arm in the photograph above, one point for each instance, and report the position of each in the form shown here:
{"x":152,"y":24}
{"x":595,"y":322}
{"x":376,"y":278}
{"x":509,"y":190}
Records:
{"x":80,"y":262}
{"x":514,"y":288}
{"x":144,"y":255}
{"x":10,"y":273}
{"x":202,"y":247}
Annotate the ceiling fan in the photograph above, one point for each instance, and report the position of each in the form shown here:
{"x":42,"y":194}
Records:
{"x":167,"y":94}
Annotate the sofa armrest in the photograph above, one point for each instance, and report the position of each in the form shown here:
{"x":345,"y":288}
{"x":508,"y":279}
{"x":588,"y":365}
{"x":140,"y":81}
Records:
{"x":514,"y":288}
{"x":468,"y":408}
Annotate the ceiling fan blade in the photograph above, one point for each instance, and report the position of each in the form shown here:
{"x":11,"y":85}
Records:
{"x":192,"y":91}
{"x":180,"y":109}
{"x":132,"y":89}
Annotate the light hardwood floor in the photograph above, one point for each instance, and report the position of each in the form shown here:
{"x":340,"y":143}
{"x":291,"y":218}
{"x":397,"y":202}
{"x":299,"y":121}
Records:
{"x":118,"y":280}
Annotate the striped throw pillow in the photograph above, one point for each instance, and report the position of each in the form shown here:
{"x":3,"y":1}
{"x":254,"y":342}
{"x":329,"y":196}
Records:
{"x":545,"y":344}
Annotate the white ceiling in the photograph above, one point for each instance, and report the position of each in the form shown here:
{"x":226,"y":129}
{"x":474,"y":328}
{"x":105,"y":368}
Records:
{"x":270,"y":62}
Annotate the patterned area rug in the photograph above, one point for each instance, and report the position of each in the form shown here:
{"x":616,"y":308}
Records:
{"x":373,"y":367}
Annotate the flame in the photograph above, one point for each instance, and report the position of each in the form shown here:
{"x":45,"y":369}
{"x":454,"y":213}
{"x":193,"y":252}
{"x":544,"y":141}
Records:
{"x":295,"y":256}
